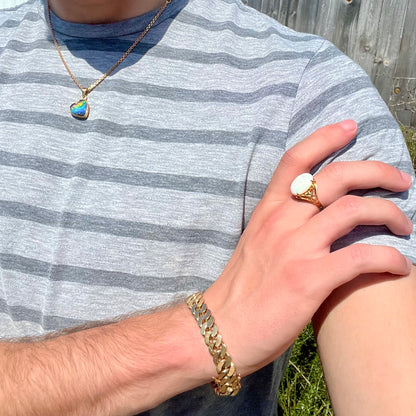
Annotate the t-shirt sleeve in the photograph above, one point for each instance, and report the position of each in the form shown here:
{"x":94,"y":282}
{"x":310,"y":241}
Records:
{"x":334,"y":88}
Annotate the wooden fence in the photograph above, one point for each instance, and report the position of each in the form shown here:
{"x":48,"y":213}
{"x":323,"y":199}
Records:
{"x":380,"y":35}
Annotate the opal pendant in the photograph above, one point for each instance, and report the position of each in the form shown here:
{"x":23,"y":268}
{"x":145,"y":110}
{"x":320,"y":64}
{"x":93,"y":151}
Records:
{"x":80,"y":109}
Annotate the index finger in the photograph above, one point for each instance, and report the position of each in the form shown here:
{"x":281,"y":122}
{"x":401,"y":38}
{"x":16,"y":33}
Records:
{"x":303,"y":156}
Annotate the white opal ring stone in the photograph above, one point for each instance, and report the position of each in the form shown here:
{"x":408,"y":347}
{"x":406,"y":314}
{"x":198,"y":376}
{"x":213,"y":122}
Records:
{"x":304,"y":188}
{"x":301,"y":184}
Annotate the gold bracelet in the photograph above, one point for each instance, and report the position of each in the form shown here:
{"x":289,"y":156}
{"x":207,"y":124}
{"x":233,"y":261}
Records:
{"x":228,"y":381}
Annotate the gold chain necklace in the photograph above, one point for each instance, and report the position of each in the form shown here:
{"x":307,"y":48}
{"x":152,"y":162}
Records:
{"x":81,"y":109}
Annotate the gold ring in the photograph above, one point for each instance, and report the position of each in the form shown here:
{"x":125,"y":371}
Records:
{"x":304,"y":188}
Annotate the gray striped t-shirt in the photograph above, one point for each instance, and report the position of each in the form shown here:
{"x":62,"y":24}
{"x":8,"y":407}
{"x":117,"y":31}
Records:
{"x":147,"y":199}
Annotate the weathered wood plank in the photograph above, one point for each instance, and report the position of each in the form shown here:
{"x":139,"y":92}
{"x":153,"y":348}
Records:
{"x":403,"y":100}
{"x":380,"y":35}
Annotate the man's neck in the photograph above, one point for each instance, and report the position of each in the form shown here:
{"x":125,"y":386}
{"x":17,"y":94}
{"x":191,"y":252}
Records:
{"x":101,"y":11}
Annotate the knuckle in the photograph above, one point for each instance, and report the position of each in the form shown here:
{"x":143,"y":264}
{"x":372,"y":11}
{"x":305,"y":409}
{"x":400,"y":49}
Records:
{"x":383,"y":170}
{"x":327,"y":131}
{"x":293,"y":157}
{"x":380,"y":167}
{"x":391,"y":210}
{"x":393,"y":256}
{"x":391,"y":207}
{"x":350,"y":205}
{"x":335,"y":171}
{"x":360,"y":253}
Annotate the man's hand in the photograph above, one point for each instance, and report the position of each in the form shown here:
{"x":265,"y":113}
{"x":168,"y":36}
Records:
{"x":280,"y":273}
{"x":282,"y":269}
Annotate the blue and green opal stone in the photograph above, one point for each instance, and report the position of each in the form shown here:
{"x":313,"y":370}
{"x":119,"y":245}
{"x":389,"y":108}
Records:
{"x":80,"y":109}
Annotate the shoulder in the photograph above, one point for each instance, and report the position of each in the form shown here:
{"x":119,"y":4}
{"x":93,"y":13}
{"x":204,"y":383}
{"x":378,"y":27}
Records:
{"x":237,"y":22}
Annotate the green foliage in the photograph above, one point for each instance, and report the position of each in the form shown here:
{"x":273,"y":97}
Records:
{"x":411,"y":144}
{"x":303,"y":391}
{"x":410,"y":136}
{"x":408,"y":132}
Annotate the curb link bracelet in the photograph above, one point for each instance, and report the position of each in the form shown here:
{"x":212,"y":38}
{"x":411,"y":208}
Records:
{"x":228,"y":381}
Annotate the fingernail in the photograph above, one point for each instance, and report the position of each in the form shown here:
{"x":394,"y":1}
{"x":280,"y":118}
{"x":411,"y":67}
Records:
{"x":348,"y":125}
{"x":410,"y":222}
{"x":406,"y":177}
{"x":409,"y":262}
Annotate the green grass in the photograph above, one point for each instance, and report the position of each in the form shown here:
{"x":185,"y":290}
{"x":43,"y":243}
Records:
{"x":408,"y":132}
{"x":410,"y":136}
{"x":303,"y":391}
{"x":411,"y":144}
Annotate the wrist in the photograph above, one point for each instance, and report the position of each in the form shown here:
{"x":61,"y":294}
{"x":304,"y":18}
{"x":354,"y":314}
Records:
{"x":177,"y":359}
{"x":228,"y":379}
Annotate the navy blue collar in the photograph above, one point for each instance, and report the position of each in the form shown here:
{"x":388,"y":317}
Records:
{"x":112,"y":30}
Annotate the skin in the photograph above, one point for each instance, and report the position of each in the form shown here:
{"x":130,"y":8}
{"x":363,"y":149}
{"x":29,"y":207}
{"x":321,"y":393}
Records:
{"x":261,"y":302}
{"x":362,"y":299}
{"x":102,"y":11}
{"x":284,"y":251}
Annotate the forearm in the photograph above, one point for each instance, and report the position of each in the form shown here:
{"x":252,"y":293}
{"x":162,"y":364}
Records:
{"x":367,"y":342}
{"x":260,"y":302}
{"x":117,"y":369}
